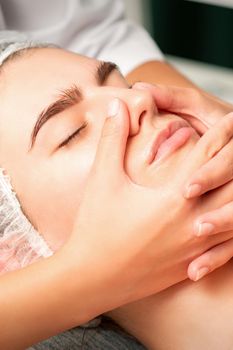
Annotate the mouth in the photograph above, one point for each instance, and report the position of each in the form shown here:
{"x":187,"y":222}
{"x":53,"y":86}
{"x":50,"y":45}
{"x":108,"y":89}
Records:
{"x":175,"y":135}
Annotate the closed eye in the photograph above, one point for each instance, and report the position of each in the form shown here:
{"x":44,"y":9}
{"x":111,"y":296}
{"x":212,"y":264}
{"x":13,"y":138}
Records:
{"x":72,"y":136}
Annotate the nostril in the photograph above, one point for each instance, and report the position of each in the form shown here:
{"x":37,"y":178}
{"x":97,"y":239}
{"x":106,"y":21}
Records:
{"x":142,"y":115}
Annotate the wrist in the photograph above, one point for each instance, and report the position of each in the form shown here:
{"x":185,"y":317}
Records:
{"x":95,"y":286}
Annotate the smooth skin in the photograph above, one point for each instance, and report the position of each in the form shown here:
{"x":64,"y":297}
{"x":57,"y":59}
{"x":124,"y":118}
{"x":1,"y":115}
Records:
{"x":218,"y":171}
{"x":67,"y":310}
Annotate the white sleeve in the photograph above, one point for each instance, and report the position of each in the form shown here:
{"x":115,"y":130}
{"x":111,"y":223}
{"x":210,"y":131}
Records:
{"x":129,"y":46}
{"x":112,"y":37}
{"x":96,"y":28}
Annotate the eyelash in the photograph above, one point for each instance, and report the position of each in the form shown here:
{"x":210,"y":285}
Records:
{"x":73,"y":136}
{"x":76,"y":133}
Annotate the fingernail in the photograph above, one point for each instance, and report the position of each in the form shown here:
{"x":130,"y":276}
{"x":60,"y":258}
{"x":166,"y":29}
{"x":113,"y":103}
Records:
{"x":193,"y":190}
{"x":201,"y":273}
{"x":204,"y":229}
{"x":113,"y":107}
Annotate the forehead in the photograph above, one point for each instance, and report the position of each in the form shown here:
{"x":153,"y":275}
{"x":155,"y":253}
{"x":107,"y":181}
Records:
{"x":46,"y":69}
{"x":32,"y":81}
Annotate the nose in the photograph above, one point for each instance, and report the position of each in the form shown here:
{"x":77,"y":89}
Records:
{"x":139,"y":102}
{"x":141,"y":108}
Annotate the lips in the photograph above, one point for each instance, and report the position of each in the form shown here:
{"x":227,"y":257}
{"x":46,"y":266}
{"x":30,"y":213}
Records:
{"x":169,"y":140}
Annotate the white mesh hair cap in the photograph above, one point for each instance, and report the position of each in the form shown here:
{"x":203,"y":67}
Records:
{"x":12,"y":41}
{"x":20,"y":243}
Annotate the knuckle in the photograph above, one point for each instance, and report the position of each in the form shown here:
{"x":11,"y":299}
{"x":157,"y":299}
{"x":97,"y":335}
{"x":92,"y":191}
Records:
{"x":221,"y":135}
{"x":214,"y":143}
{"x":109,"y":129}
{"x":205,"y":179}
{"x":210,"y":149}
{"x":226,"y":161}
{"x":227,"y":126}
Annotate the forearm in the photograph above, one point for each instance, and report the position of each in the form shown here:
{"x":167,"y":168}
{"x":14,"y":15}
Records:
{"x":46,"y":298}
{"x":35,"y":303}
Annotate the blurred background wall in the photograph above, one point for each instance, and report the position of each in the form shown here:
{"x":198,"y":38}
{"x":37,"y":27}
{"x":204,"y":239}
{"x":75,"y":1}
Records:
{"x":196,"y":37}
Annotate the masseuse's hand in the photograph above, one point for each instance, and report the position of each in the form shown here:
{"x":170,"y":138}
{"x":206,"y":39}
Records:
{"x":217,"y":221}
{"x":203,"y":111}
{"x":199,"y":108}
{"x":133,"y":240}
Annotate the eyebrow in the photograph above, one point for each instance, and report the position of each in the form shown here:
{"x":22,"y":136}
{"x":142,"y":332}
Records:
{"x":70,"y":97}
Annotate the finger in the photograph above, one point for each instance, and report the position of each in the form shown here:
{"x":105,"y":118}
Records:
{"x":216,"y":221}
{"x":199,"y":108}
{"x":111,"y":148}
{"x":172,"y":98}
{"x":216,"y":172}
{"x":210,"y":260}
{"x":206,"y":148}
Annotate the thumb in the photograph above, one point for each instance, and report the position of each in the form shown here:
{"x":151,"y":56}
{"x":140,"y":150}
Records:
{"x":109,"y":160}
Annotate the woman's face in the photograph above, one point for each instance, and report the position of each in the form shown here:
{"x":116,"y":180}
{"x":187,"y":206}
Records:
{"x":50,"y":176}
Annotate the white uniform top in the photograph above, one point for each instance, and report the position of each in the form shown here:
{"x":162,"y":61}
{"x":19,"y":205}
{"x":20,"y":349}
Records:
{"x":95,"y":28}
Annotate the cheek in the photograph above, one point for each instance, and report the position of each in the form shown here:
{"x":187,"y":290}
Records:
{"x":154,"y":175}
{"x":51,"y":195}
{"x":64,"y":197}
{"x":134,"y":162}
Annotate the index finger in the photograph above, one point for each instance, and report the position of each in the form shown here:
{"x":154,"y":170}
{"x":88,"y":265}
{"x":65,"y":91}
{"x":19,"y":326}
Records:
{"x":208,"y":146}
{"x":173,"y":98}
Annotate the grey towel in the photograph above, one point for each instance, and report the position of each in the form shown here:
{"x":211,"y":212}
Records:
{"x":106,"y":336}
